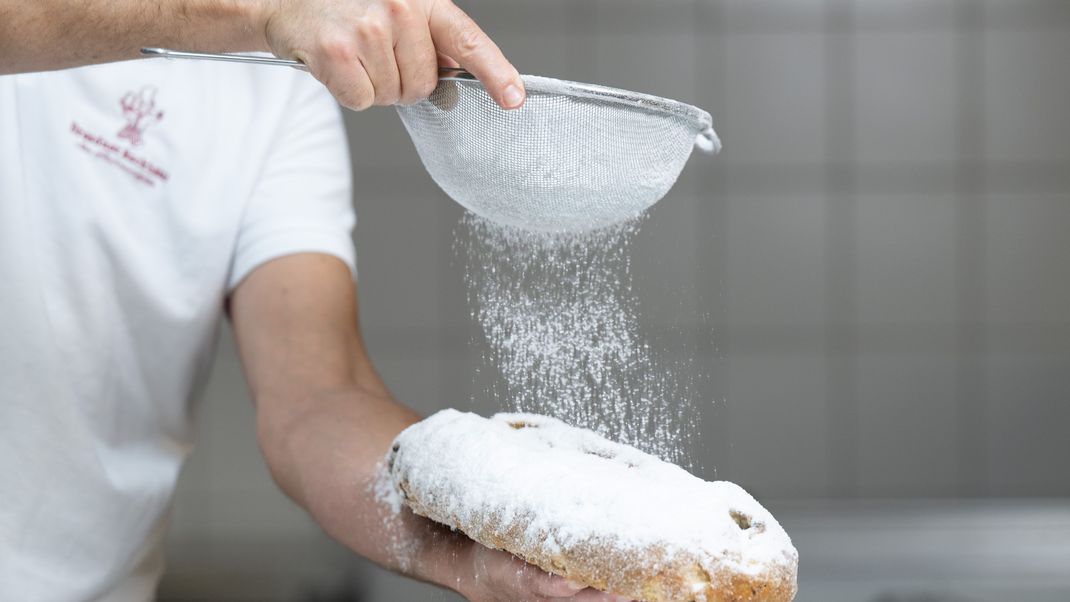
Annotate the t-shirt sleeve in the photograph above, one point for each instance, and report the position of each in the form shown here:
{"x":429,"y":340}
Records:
{"x":302,"y":201}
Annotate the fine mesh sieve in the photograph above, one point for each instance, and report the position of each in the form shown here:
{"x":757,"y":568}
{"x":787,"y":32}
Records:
{"x":574,"y":157}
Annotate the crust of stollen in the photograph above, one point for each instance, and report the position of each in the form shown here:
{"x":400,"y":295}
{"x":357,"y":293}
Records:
{"x":648,"y":575}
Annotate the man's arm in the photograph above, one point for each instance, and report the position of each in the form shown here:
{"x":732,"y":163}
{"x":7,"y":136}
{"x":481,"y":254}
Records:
{"x":365,"y":51}
{"x":55,"y":34}
{"x":325,"y":421}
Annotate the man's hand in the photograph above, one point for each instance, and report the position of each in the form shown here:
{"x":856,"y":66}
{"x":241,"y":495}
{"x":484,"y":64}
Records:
{"x":366,"y":51}
{"x":380,"y":52}
{"x":501,"y":577}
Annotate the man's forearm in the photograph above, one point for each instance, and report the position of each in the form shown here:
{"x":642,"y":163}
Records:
{"x":45,"y":35}
{"x":325,"y":422}
{"x":326,"y":453}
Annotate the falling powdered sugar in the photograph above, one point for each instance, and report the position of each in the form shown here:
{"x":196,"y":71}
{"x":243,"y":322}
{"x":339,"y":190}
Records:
{"x":389,"y":504}
{"x":561,"y":328}
{"x":383,"y":491}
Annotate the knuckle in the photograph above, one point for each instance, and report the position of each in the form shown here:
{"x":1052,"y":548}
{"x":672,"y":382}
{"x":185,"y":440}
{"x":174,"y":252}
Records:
{"x":388,"y":90}
{"x":398,"y":9}
{"x":371,"y":28}
{"x":426,"y":86}
{"x":408,"y":96}
{"x":468,"y":40}
{"x":356,"y":99}
{"x":412,"y":96}
{"x":338,"y":49}
{"x":361,"y":103}
{"x":385,"y":99}
{"x":422,"y":81}
{"x":364,"y":99}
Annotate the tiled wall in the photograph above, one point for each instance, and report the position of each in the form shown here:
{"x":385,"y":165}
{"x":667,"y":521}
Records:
{"x":875,"y":272}
{"x":881,"y":250}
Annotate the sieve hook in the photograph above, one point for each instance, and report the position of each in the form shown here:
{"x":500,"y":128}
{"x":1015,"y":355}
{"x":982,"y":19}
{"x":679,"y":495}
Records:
{"x":708,"y":142}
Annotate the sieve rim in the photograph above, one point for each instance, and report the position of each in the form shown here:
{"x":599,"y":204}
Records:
{"x":701,"y":120}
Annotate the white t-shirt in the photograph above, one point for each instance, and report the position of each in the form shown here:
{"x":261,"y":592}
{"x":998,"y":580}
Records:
{"x":133,"y":198}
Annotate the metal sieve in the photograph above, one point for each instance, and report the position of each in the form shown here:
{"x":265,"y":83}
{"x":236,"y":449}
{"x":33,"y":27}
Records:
{"x":575,"y":157}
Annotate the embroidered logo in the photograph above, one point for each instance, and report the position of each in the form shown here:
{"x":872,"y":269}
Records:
{"x":140,"y":112}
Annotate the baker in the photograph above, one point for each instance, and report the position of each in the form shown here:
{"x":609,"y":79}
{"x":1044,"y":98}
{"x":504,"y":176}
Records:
{"x":141,"y":202}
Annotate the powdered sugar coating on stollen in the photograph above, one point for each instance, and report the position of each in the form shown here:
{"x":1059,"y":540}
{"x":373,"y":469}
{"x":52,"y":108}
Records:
{"x":582,"y":488}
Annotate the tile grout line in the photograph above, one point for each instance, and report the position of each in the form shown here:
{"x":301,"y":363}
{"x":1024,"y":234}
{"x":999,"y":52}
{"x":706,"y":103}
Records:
{"x":841,"y":312}
{"x":972,"y":405}
{"x":712,"y":235}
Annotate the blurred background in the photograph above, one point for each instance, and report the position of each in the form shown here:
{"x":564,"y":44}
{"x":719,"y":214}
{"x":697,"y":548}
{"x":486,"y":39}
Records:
{"x":873,"y":280}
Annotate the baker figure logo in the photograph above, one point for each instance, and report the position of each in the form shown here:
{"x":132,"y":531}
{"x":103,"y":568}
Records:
{"x":140,"y":112}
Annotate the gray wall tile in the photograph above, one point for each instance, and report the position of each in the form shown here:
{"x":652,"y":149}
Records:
{"x":400,"y":238}
{"x":662,"y":64}
{"x":906,"y":93}
{"x":771,"y":105}
{"x":1026,"y":95}
{"x":906,"y":259}
{"x":664,"y":261}
{"x":768,"y":16}
{"x":1029,"y":414}
{"x":1026,"y":251}
{"x":1026,"y":14}
{"x":775,"y":271}
{"x":908,"y":425}
{"x":778,"y":425}
{"x":905,"y":15}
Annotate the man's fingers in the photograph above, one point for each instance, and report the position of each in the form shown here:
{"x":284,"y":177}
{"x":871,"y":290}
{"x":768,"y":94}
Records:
{"x":552,"y":586}
{"x":593,"y":595}
{"x":349,"y":82}
{"x":526,"y":582}
{"x":389,"y":53}
{"x":375,"y":40}
{"x":417,"y":61}
{"x":544,"y":584}
{"x":509,"y":571}
{"x":565,"y":590}
{"x":458,"y":36}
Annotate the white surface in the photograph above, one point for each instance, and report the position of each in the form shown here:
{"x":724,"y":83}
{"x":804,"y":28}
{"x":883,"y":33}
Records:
{"x":115,"y":276}
{"x":932,"y":551}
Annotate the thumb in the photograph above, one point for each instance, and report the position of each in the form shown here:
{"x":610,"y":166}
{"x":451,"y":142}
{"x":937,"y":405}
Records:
{"x":457,"y":36}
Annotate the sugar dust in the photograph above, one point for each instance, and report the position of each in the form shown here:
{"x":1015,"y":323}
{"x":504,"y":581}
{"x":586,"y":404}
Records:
{"x":561,"y":334}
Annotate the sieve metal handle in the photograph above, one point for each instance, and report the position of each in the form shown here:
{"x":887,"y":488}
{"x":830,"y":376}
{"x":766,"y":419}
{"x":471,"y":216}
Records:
{"x":167,"y":53}
{"x":451,"y":73}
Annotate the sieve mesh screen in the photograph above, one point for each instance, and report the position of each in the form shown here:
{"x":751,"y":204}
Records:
{"x":569,"y":160}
